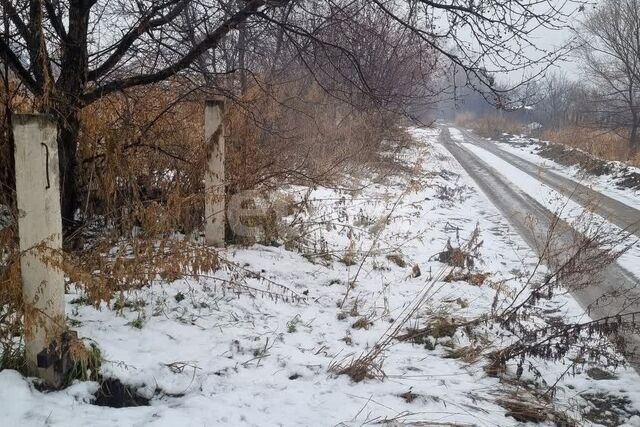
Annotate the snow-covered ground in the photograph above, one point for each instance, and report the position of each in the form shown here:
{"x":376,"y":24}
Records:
{"x":207,"y":355}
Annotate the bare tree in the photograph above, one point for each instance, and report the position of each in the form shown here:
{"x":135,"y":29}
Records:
{"x":70,"y":54}
{"x":557,"y":102}
{"x":610,"y":50}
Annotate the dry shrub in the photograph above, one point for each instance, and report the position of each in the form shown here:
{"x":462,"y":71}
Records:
{"x":142,"y":152}
{"x":298,"y":133}
{"x":13,"y":100}
{"x":142,"y":156}
{"x":135,"y":263}
{"x":600,"y":143}
{"x":597,"y":142}
{"x":11,"y":356}
{"x":489,"y":126}
{"x":576,"y":256}
{"x":455,"y":257}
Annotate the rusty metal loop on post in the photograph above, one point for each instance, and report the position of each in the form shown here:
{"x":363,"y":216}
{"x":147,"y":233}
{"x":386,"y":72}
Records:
{"x":46,"y":147}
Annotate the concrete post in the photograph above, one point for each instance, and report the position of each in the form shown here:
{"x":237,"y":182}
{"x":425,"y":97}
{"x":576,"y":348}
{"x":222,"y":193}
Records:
{"x":214,"y":185}
{"x":39,"y":224}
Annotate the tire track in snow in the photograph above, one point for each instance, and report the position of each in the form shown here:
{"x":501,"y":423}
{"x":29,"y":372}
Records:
{"x":615,"y":211}
{"x":532,"y":221}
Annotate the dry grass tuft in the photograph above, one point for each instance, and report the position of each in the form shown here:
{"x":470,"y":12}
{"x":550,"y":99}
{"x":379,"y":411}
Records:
{"x":438,"y":327}
{"x":468,"y":354}
{"x":475,"y":279}
{"x":527,"y":405}
{"x":86,"y":361}
{"x":397,"y":260}
{"x":409,"y":396}
{"x":359,"y":368}
{"x":464,"y":255}
{"x":362,"y":323}
{"x":597,"y":142}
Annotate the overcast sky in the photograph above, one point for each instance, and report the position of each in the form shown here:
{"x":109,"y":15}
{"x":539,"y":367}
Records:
{"x":556,"y":39}
{"x":551,"y":40}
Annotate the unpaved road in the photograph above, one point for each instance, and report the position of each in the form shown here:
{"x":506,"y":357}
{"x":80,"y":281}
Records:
{"x":615,"y":290}
{"x":616,"y":212}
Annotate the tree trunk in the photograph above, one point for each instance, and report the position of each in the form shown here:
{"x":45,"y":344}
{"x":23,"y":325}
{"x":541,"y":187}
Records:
{"x":7,"y":172}
{"x":66,"y":107}
{"x":634,"y":138}
{"x":68,"y":132}
{"x":7,"y":164}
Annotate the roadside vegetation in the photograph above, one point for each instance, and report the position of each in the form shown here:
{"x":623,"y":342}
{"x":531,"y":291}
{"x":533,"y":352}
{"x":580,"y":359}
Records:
{"x":599,"y":144}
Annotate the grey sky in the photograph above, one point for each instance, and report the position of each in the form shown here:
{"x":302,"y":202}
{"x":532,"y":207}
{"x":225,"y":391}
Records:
{"x":552,"y":40}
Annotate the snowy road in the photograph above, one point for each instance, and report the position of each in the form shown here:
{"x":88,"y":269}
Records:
{"x":616,"y":212}
{"x":519,"y":198}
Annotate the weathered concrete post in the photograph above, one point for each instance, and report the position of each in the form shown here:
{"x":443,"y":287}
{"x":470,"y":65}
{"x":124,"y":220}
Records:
{"x":214,"y":184}
{"x":39,"y":226}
